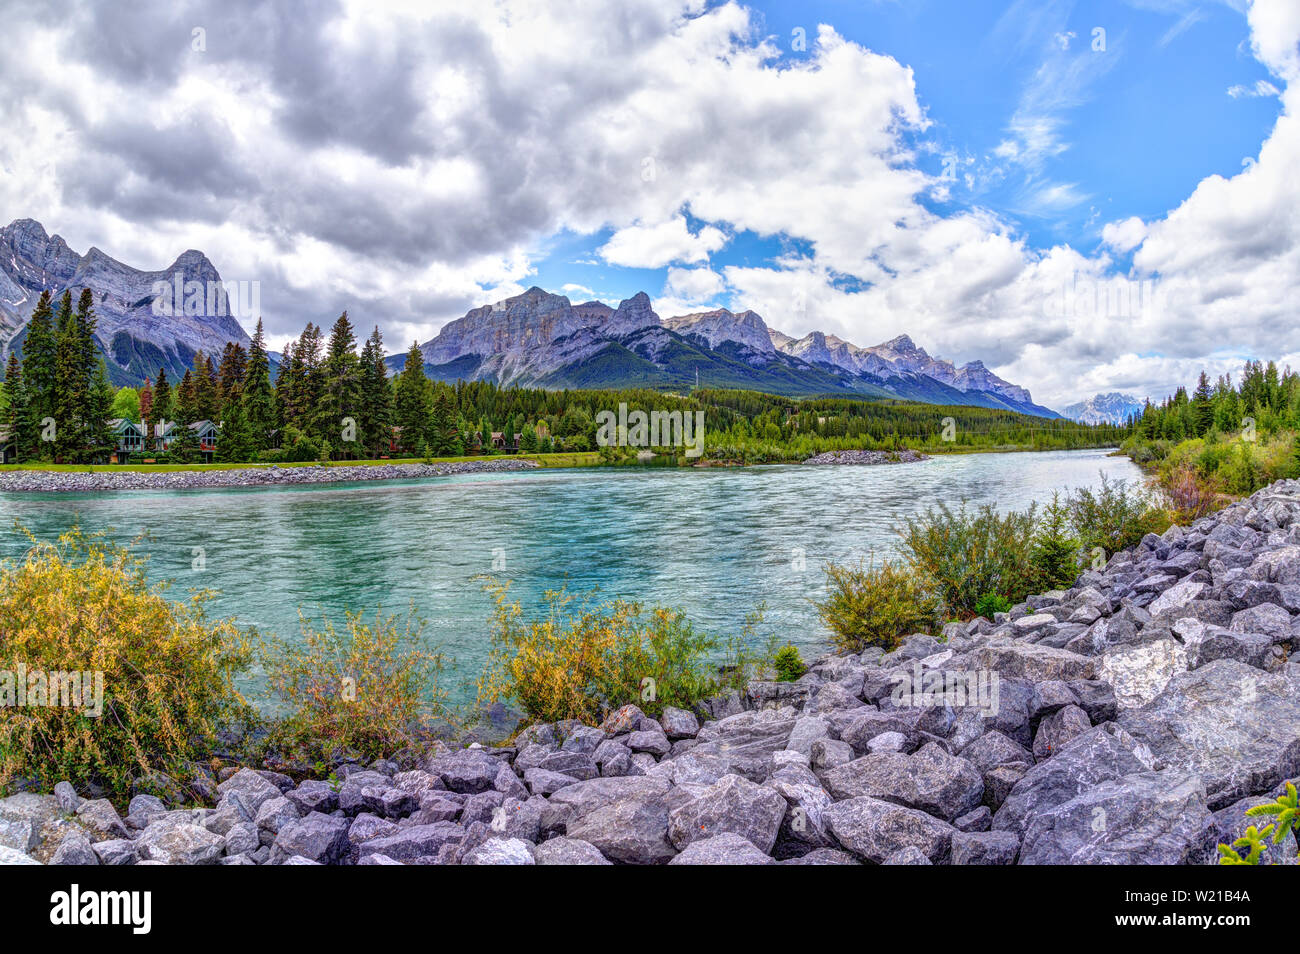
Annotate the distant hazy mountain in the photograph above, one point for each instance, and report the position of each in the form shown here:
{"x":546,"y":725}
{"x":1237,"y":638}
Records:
{"x":1110,"y":408}
{"x":135,"y":342}
{"x":542,"y":339}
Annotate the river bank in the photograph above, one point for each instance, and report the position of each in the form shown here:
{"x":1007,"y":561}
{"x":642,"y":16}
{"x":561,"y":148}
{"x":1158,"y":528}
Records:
{"x":72,"y":481}
{"x":997,"y":742}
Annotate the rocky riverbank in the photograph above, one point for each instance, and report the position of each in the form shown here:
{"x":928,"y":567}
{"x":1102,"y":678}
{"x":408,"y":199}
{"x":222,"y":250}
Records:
{"x":1130,"y":719}
{"x":42,"y":481}
{"x":867,"y":457}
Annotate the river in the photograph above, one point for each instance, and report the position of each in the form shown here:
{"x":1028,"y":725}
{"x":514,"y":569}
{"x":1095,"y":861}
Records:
{"x":714,"y":542}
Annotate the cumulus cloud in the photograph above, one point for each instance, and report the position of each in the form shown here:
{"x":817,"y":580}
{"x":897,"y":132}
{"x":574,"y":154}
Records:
{"x":410,"y":161}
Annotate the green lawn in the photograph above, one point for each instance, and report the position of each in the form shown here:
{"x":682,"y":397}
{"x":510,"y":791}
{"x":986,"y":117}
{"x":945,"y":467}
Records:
{"x":577,"y":459}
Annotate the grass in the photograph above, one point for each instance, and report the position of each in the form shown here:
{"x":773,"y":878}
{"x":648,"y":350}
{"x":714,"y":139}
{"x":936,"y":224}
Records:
{"x":572,"y":459}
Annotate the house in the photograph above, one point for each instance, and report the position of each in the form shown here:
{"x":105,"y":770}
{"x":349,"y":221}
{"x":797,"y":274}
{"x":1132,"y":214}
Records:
{"x":8,"y":449}
{"x":128,"y":439}
{"x":205,"y":434}
{"x":498,"y":440}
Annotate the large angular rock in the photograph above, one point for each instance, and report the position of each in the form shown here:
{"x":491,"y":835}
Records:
{"x":1237,"y":727}
{"x":1031,"y":661}
{"x":1151,"y":818}
{"x":630,"y":830}
{"x":1138,"y":674}
{"x":417,"y":841}
{"x":731,"y":804}
{"x":984,"y":848}
{"x":748,"y":744}
{"x":1058,"y":729}
{"x":873,"y":829}
{"x":251,"y":787}
{"x":502,"y":851}
{"x":568,"y":851}
{"x":727,"y":848}
{"x":467,"y":771}
{"x":574,"y":801}
{"x":931,"y":780}
{"x":1099,"y":755}
{"x":174,"y":843}
{"x":322,"y":838}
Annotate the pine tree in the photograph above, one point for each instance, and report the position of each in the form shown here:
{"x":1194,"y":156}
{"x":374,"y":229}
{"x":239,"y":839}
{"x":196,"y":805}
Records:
{"x":39,"y":353}
{"x":146,"y":406}
{"x":443,"y":434}
{"x":99,"y":409}
{"x":1202,"y":409}
{"x":71,"y":385}
{"x":206,"y":405}
{"x":258,"y":398}
{"x":164,"y":401}
{"x":230,"y":376}
{"x":411,"y":401}
{"x":234,"y":444}
{"x":375,"y":418}
{"x":19,"y":419}
{"x":186,"y":409}
{"x":341,"y":385}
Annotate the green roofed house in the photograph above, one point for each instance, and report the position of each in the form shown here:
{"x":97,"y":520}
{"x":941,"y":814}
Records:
{"x":205,"y":433}
{"x":128,"y":439}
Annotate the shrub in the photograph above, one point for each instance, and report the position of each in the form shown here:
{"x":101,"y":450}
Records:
{"x":370,"y":689}
{"x":580,"y":660}
{"x":168,"y":672}
{"x":866,"y":606}
{"x":967,"y":554}
{"x":1113,"y":517}
{"x":788,"y":664}
{"x":991,"y":603}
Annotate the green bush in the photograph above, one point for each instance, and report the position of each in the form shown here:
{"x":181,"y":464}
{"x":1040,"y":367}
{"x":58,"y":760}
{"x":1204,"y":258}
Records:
{"x":967,"y":554}
{"x":991,"y":603}
{"x":866,"y":606}
{"x":1114,"y":518}
{"x":788,"y":664}
{"x":371,"y":689}
{"x":581,"y":660}
{"x":163,"y":672}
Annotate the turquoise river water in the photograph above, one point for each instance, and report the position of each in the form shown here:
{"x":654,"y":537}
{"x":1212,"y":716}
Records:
{"x":714,"y":542}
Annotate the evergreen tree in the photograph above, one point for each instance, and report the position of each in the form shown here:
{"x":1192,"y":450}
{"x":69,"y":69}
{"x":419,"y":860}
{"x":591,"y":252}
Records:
{"x":39,"y":354}
{"x":71,"y":385}
{"x":341,"y":386}
{"x":99,"y":409}
{"x":206,"y":405}
{"x":235,"y":443}
{"x":375,"y":418}
{"x":1202,"y":409}
{"x":186,"y":407}
{"x":164,"y":401}
{"x":230,"y":376}
{"x":19,"y":417}
{"x":146,"y":406}
{"x":443,"y":434}
{"x":411,"y":401}
{"x":258,"y":398}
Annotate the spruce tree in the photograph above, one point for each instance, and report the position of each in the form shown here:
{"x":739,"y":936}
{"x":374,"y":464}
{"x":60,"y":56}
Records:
{"x":341,"y":386}
{"x":443,"y":434}
{"x":258,"y":398}
{"x":164,"y":401}
{"x":19,"y":419}
{"x":71,"y":386}
{"x":230,"y":376}
{"x":39,"y":351}
{"x":234,"y":443}
{"x":376,"y":409}
{"x":411,"y":401}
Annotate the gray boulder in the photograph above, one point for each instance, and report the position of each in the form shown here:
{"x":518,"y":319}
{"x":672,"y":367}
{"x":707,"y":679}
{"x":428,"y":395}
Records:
{"x":727,"y":848}
{"x":732,"y":804}
{"x":873,"y":829}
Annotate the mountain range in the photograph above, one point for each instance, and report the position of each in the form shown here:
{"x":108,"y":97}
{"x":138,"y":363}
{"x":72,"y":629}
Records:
{"x":542,"y":339}
{"x":1109,"y":408}
{"x":134,"y":340}
{"x":537,"y":339}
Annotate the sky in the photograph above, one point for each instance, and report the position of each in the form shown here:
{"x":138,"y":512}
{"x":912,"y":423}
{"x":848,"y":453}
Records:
{"x":1086,"y":196}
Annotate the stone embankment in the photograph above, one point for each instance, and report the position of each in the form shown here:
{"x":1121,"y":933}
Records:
{"x":867,"y":457}
{"x":1130,"y":719}
{"x":41,"y":481}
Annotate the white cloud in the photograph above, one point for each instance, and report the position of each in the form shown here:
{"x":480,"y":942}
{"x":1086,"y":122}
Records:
{"x":1126,"y":235}
{"x":1262,"y":88}
{"x":654,"y":246}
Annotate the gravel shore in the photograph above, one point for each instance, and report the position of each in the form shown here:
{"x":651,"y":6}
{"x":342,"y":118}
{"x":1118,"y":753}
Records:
{"x":43,"y":481}
{"x":861,"y":457}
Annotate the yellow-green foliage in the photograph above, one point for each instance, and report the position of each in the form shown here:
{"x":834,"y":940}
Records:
{"x":84,"y":605}
{"x":369,"y":689}
{"x":579,"y":660}
{"x":870,"y":606}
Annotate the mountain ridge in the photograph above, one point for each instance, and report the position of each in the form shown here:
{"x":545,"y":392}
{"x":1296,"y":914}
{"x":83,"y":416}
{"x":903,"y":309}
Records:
{"x":540,"y":338}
